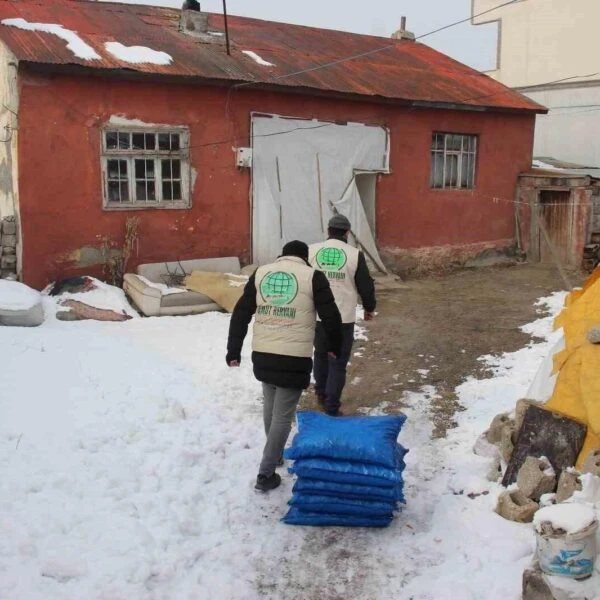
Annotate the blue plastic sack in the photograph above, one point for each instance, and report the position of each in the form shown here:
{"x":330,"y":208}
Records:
{"x":348,"y":490}
{"x":342,"y":506}
{"x":295,"y":516}
{"x":350,"y":472}
{"x":361,"y":439}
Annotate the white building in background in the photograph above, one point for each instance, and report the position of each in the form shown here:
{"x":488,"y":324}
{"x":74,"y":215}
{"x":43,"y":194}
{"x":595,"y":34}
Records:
{"x":549,"y":50}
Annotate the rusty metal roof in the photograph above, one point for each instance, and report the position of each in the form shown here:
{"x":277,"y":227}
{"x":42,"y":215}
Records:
{"x":407,"y":71}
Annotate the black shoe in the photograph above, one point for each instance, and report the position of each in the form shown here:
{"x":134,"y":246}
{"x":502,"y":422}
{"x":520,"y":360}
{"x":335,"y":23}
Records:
{"x":265,"y":484}
{"x":334,"y":413}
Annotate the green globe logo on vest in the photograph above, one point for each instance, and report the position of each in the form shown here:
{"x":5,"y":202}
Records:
{"x":278,"y":289}
{"x":331,"y":261}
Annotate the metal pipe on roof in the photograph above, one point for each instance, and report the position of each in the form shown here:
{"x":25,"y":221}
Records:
{"x":226,"y":27}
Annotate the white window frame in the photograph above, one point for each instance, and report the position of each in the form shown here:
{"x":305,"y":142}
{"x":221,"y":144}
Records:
{"x":466,"y":151}
{"x":130,"y":155}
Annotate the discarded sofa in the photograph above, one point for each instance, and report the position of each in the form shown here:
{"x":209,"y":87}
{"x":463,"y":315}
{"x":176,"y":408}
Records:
{"x":158,"y":289}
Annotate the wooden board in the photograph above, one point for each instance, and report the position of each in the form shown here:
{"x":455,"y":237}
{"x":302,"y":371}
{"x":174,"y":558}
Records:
{"x":549,"y":434}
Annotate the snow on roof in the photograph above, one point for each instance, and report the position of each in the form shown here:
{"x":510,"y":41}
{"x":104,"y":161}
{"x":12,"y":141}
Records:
{"x":138,"y":54}
{"x":256,"y":58}
{"x":398,"y":70}
{"x":539,"y":164}
{"x":17,"y":296}
{"x":74,"y":43}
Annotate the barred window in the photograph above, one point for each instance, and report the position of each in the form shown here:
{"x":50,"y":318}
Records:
{"x":145,"y":168}
{"x":453,"y":158}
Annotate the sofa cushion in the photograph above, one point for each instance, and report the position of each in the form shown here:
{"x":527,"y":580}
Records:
{"x":185,"y":299}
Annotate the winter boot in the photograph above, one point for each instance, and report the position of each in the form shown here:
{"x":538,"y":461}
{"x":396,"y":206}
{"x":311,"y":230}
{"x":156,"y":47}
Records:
{"x":266,"y":483}
{"x":334,"y":413}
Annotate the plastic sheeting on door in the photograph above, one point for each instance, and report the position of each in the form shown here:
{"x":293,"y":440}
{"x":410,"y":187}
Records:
{"x":301,"y":175}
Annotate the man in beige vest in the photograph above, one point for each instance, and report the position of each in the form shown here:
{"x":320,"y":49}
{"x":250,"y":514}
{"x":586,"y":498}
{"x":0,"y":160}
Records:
{"x":347,"y":272}
{"x":286,"y":297}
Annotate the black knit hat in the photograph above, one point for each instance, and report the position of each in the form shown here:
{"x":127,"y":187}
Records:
{"x":340,"y":222}
{"x":296,"y":248}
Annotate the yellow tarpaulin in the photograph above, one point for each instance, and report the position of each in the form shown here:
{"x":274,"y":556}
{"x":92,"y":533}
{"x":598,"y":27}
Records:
{"x":224,"y":289}
{"x":577,"y":390}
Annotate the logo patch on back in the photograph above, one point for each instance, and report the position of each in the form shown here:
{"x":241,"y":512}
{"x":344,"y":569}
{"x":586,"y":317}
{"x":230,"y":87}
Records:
{"x":331,"y":259}
{"x":279,"y":288}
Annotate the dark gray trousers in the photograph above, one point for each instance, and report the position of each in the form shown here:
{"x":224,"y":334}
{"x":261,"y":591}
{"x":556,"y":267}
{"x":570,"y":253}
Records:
{"x":329,"y":373}
{"x":279,"y":409}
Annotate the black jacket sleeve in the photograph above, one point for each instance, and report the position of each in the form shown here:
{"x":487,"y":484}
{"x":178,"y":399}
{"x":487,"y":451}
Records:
{"x":240,"y":319}
{"x":364,"y":284}
{"x":328,"y":311}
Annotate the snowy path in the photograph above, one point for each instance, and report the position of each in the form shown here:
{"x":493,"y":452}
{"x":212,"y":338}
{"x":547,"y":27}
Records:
{"x":127,"y":458}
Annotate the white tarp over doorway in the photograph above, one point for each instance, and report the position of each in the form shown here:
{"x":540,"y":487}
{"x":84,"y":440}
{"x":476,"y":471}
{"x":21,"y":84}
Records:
{"x":301,"y":177}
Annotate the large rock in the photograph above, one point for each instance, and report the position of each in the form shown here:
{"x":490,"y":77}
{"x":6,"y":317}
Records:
{"x":516,"y":506}
{"x":568,"y":484}
{"x":536,"y":477}
{"x":501,"y":434}
{"x":592,"y":463}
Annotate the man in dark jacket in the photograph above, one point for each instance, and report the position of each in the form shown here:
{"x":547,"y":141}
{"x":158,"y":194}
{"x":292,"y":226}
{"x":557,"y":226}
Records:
{"x":286,"y":297}
{"x":347,"y":272}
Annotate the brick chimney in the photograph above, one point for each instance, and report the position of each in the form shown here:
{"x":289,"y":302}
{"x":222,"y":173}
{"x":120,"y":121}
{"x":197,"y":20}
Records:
{"x":193,"y":21}
{"x":402,"y":34}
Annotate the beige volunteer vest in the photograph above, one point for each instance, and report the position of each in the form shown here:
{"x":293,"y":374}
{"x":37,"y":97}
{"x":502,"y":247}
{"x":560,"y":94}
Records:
{"x":339,"y":261}
{"x":285,"y":310}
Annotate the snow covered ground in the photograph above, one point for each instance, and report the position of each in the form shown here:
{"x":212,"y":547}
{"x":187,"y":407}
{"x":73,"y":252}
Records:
{"x":128,"y":453}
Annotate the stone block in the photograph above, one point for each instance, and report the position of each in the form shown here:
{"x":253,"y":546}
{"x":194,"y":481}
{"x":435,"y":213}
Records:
{"x":8,"y":250}
{"x":568,"y":484}
{"x":535,"y":586}
{"x":536,"y":477}
{"x":507,"y":441}
{"x":494,"y":433}
{"x":9,"y":240}
{"x":592,"y":463}
{"x":8,"y":262}
{"x":9,"y":227}
{"x":516,"y":506}
{"x":501,"y":434}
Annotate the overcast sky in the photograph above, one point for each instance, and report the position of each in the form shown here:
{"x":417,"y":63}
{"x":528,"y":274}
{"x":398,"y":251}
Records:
{"x":475,"y":46}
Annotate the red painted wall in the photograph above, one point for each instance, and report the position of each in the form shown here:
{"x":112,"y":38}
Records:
{"x":60,"y":188}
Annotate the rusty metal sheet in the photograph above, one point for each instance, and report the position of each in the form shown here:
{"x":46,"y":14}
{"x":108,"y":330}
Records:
{"x":405,"y":71}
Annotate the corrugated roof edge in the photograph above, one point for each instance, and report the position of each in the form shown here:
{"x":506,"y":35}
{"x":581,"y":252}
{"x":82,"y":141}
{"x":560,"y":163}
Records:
{"x":409,"y":74}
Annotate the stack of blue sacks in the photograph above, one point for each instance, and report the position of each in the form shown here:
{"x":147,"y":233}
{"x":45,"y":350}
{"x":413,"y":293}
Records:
{"x":349,"y":470}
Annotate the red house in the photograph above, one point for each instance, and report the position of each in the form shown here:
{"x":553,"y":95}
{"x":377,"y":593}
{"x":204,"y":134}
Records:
{"x":110,"y":111}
